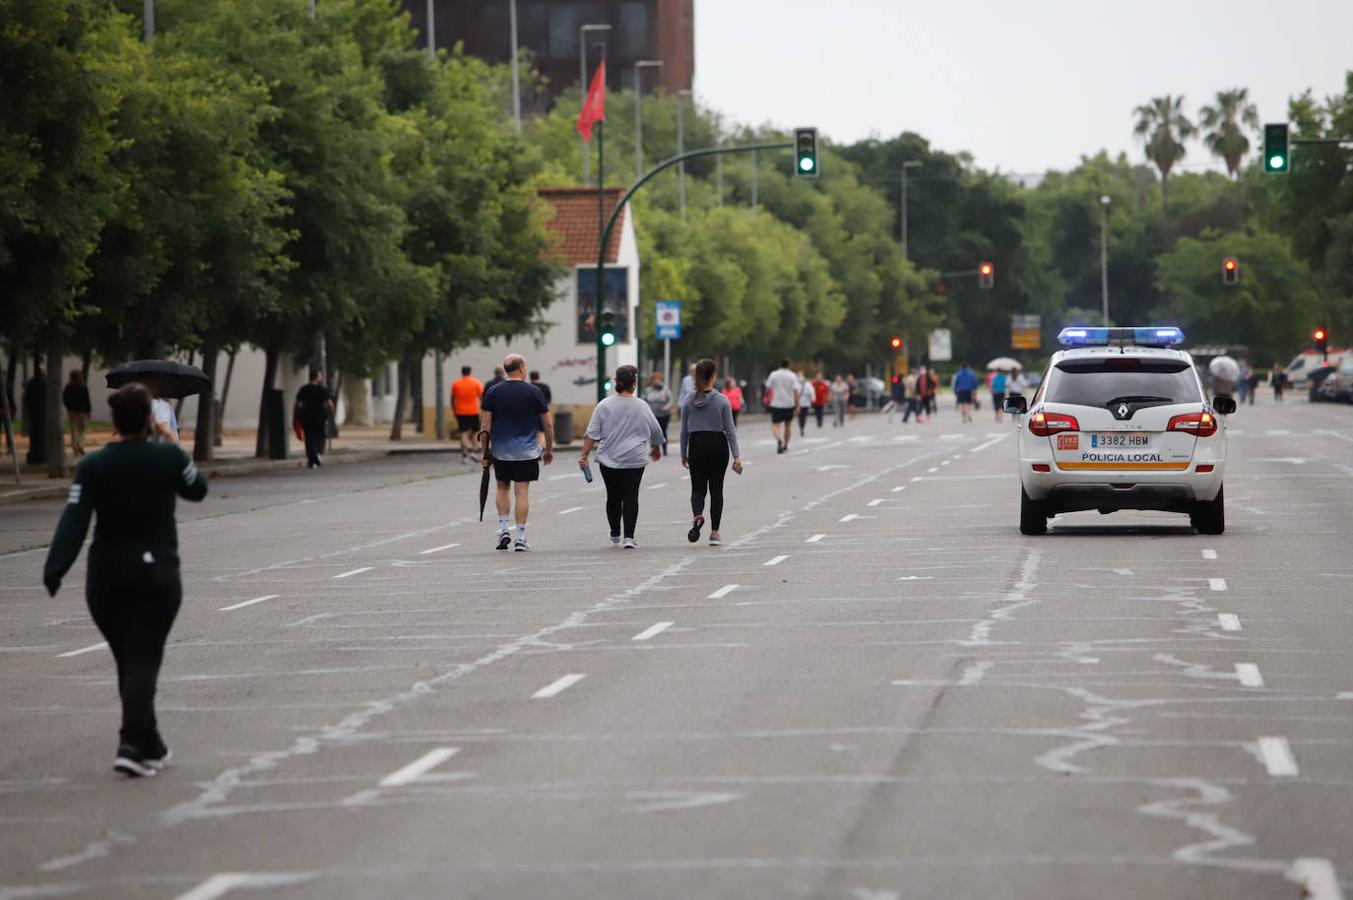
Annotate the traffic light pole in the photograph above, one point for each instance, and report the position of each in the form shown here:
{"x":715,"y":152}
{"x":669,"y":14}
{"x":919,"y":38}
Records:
{"x":609,"y":225}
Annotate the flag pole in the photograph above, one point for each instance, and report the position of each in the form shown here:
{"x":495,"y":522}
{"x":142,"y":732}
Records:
{"x":601,"y":244}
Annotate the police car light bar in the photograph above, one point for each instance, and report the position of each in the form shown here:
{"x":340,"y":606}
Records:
{"x":1150,"y":336}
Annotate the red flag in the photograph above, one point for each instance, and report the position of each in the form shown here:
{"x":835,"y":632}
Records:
{"x":594,"y":107}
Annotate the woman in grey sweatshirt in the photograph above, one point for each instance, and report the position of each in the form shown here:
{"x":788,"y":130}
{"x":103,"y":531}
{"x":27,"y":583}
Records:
{"x":708,"y":439}
{"x":628,"y":434}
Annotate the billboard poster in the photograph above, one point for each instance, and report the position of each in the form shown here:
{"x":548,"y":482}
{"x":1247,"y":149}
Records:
{"x":617,"y":301}
{"x":1026,"y":332}
{"x":941,"y":345}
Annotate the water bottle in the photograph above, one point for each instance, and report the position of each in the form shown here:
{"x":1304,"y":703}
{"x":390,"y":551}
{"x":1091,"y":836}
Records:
{"x":587,"y":473}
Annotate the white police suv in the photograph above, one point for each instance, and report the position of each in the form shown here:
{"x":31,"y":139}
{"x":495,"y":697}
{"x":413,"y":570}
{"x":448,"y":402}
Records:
{"x":1121,"y":421}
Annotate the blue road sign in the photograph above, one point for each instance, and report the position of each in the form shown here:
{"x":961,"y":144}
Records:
{"x":668,"y":316}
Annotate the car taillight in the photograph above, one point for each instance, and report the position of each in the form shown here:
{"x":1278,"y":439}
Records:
{"x":1044,"y":424}
{"x":1203,"y":424}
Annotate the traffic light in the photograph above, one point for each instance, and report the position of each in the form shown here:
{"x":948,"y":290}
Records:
{"x":805,"y":152}
{"x":1230,"y":271}
{"x":895,"y":343}
{"x":1276,"y":158}
{"x":986,"y":276}
{"x":607,"y":328}
{"x":1322,"y":339}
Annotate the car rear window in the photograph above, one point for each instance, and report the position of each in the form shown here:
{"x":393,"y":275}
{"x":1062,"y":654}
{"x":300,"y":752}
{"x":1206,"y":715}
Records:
{"x":1097,"y":382}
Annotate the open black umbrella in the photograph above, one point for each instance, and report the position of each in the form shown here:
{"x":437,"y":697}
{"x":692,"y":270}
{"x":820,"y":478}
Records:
{"x":175,"y":379}
{"x":488,"y":473}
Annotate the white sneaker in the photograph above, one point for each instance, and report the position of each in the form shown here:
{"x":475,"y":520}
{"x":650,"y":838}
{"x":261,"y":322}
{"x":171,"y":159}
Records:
{"x":521,"y":546}
{"x":631,"y":544}
{"x":615,"y":539}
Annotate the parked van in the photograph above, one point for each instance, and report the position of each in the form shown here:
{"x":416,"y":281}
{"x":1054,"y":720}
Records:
{"x":1307,"y":361}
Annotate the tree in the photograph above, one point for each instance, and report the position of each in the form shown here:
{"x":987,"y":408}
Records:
{"x":1163,"y":127}
{"x":1225,"y":137}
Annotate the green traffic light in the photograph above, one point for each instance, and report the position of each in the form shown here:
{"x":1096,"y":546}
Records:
{"x":1275,"y":162}
{"x":806,"y":164}
{"x":607,"y":339}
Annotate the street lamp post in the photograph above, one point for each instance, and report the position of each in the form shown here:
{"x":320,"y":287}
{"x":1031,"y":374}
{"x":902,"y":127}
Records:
{"x":432,"y":34}
{"x":1104,"y":254}
{"x":638,"y":113}
{"x":150,"y":19}
{"x":908,"y":164}
{"x":681,"y":148}
{"x":516,"y":74}
{"x":582,"y":83}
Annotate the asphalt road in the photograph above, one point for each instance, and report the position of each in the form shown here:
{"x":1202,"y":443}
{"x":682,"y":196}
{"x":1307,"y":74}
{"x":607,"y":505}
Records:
{"x":876,"y":689}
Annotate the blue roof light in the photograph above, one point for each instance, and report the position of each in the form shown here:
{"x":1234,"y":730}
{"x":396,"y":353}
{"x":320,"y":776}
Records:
{"x":1149,"y":336}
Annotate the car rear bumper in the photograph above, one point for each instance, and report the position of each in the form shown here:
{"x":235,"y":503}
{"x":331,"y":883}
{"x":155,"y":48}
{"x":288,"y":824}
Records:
{"x":1068,"y":491}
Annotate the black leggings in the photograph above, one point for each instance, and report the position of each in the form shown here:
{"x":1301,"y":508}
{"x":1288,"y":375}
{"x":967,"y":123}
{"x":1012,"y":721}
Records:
{"x":134,"y":604}
{"x":708,"y":456}
{"x":622,"y":497}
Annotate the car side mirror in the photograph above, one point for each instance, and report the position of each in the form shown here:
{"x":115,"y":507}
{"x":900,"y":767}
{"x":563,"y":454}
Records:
{"x":1224,"y":404}
{"x":1017,"y":405}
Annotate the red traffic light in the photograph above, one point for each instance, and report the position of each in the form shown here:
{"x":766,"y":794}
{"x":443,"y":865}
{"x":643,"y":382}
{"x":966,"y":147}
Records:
{"x":984,"y":269}
{"x":896,"y":343}
{"x":1230,"y":265}
{"x":1319,"y":334}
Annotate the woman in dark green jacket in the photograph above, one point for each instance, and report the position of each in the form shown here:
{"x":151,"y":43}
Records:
{"x":132,"y":586}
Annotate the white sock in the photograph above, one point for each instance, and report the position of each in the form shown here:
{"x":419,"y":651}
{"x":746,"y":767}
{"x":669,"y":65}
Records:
{"x":521,"y":532}
{"x":504,"y":524}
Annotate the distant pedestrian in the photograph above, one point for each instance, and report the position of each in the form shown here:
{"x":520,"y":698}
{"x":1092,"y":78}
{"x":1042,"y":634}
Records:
{"x":1018,"y":384}
{"x":806,"y":395}
{"x":75,"y":398}
{"x":910,"y":381}
{"x":1243,"y":383}
{"x":998,"y":383}
{"x":897,"y":399}
{"x":499,"y":376}
{"x":853,"y":397}
{"x":1278,"y":378}
{"x":924,"y":394}
{"x":840,"y":393}
{"x":822,"y":395}
{"x":708,"y":439}
{"x":965,"y":382}
{"x":782,"y":397}
{"x":313,"y":408}
{"x":513,"y":413}
{"x":166,"y":427}
{"x":687,"y":388}
{"x":629,"y":436}
{"x":466,"y":392}
{"x":659,"y":399}
{"x":733,"y":391}
{"x":35,"y":415}
{"x":542,"y":387}
{"x":132,"y":587}
{"x":1254,"y":379}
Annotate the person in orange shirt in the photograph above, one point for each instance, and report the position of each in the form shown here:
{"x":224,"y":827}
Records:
{"x":465,"y":394}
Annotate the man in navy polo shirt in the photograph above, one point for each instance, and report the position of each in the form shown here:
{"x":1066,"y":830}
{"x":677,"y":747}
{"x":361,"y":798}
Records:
{"x":513,"y":413}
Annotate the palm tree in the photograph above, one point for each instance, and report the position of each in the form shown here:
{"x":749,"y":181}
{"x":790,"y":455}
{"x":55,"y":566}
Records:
{"x":1164,"y":128}
{"x":1223,"y":123}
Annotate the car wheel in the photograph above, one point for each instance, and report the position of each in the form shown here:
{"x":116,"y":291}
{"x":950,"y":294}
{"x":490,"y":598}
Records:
{"x":1032,"y":517}
{"x":1209,"y":516}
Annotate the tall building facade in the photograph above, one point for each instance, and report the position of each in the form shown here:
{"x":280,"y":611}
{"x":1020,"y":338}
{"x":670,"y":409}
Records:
{"x":640,"y":29}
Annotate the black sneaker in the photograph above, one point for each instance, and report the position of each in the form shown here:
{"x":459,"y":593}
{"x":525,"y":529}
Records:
{"x":160,"y":755}
{"x":504,"y":540}
{"x":694,"y":534}
{"x":133,"y":763}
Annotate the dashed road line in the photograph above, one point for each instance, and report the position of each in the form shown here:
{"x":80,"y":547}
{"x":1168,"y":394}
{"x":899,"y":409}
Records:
{"x":437,"y":549}
{"x":1317,"y":878}
{"x":1248,"y":675}
{"x":654,"y":487}
{"x":1228,"y":621}
{"x":932,"y":470}
{"x":1216,"y":584}
{"x":354,"y":572}
{"x":817,"y":538}
{"x":723,"y":592}
{"x":898,"y":489}
{"x":235,"y":606}
{"x":1209,"y":554}
{"x":776,"y":560}
{"x":849,"y":517}
{"x":875,"y":502}
{"x":571,"y":509}
{"x":652,"y":631}
{"x":219,"y":885}
{"x":1277,"y":756}
{"x":419,"y":767}
{"x":916,"y":477}
{"x":991,"y":443}
{"x":558,"y":686}
{"x":83,"y":650}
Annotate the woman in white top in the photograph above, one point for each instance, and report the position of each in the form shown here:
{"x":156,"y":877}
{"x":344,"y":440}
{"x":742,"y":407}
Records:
{"x":629,"y":435}
{"x":806,"y":397}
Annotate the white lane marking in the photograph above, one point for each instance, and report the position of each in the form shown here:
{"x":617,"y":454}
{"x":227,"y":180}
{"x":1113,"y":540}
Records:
{"x":829,"y":468}
{"x":1217,"y":584}
{"x":1248,"y":675}
{"x":90,"y":649}
{"x":1229,"y":621}
{"x":419,"y":767}
{"x":916,"y":477}
{"x":991,"y":443}
{"x":1317,"y":878}
{"x":815,"y":539}
{"x":1277,"y":756}
{"x":849,"y":517}
{"x":354,"y":572}
{"x":561,"y":477}
{"x":654,"y":487}
{"x":932,"y":470}
{"x":899,"y":488}
{"x":776,"y":560}
{"x":437,"y":549}
{"x":571,"y":509}
{"x":223,"y":883}
{"x":723,"y":591}
{"x":946,"y":462}
{"x":1122,"y":571}
{"x":1209,"y":554}
{"x":652,"y":631}
{"x":558,"y":686}
{"x":1277,"y":432}
{"x":875,"y":502}
{"x":249,"y":602}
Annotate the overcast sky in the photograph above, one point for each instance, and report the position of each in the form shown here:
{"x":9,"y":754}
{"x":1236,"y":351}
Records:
{"x":1023,"y":85}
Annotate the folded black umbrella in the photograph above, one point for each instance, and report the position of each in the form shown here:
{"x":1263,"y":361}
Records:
{"x":488,"y":473}
{"x":175,"y":379}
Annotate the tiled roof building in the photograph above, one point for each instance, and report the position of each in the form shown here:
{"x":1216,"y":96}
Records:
{"x":575,"y":223}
